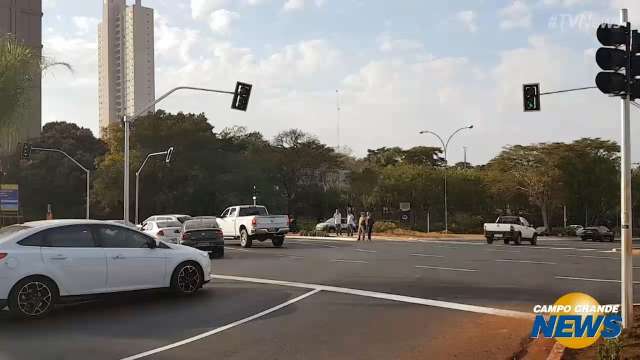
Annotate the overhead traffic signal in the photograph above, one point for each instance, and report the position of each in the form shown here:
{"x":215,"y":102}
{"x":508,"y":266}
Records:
{"x":531,"y":96}
{"x":167,"y":160}
{"x":619,"y":59}
{"x":25,"y":154}
{"x":241,"y":96}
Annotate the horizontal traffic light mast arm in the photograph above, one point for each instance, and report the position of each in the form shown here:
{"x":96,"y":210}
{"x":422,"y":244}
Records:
{"x":148,"y":107}
{"x":60,"y":152}
{"x":568,"y":90}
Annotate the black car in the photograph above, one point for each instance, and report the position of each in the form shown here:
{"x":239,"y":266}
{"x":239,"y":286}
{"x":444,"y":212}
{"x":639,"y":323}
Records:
{"x":597,"y":233}
{"x":204,"y":234}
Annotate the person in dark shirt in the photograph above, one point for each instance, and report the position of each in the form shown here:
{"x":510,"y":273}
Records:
{"x":370,"y":221}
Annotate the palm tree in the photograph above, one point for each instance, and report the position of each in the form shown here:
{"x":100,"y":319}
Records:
{"x":19,"y":66}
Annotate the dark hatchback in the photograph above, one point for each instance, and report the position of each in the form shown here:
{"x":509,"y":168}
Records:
{"x":203,"y":234}
{"x":599,"y":233}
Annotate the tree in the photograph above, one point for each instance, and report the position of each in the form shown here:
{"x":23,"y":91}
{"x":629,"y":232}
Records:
{"x":50,"y":178}
{"x":19,"y":65}
{"x":424,"y":156}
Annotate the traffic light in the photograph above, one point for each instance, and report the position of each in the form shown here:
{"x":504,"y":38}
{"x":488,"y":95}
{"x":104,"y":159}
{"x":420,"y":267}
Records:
{"x":26,"y":151}
{"x":531,"y":96}
{"x":619,"y":60}
{"x":167,"y":160}
{"x":241,"y":96}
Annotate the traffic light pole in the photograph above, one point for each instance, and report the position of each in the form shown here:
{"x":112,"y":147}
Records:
{"x":626,"y":295}
{"x":75,"y":162}
{"x":127,"y":130}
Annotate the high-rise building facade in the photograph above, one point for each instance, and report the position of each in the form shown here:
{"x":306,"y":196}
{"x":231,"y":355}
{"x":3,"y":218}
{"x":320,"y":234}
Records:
{"x":23,"y":19}
{"x":126,"y":60}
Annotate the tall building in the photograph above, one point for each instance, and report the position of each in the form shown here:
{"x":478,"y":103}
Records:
{"x":126,"y":60}
{"x":23,"y":19}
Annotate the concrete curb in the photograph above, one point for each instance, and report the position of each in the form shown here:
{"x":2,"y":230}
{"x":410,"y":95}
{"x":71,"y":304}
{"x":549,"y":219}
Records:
{"x":378,"y":238}
{"x":557,"y":352}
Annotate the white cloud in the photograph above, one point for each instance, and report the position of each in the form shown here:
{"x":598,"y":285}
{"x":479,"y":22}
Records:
{"x":565,"y":3}
{"x":174,"y":43}
{"x":220,"y":21}
{"x":291,"y":5}
{"x":202,"y":9}
{"x":49,"y":4}
{"x":468,"y":19}
{"x":389,"y":44}
{"x":85,"y":24}
{"x":516,"y":15}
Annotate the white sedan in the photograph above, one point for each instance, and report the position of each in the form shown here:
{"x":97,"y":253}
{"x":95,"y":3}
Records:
{"x":44,"y":260}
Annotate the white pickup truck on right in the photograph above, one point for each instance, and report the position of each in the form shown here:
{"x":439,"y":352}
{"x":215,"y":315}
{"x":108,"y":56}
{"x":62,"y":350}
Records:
{"x":510,"y":229}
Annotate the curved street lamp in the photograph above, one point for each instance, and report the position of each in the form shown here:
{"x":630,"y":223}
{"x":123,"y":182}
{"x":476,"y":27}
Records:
{"x":167,"y":154}
{"x":445,"y":145}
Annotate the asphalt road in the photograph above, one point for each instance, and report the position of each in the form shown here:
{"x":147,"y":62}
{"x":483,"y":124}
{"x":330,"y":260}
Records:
{"x":333,"y":300}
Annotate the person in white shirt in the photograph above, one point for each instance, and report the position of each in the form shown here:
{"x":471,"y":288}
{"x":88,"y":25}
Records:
{"x":337,"y":218}
{"x":351,"y":223}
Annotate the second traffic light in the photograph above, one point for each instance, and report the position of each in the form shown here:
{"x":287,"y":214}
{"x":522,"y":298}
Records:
{"x":531,"y":96}
{"x":619,"y":58}
{"x":241,"y":96}
{"x":25,"y":154}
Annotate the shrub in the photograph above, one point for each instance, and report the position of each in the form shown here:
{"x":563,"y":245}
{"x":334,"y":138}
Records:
{"x":384,"y":226}
{"x":610,"y":349}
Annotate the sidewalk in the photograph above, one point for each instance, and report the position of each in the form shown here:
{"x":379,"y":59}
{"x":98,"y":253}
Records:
{"x":388,"y":237}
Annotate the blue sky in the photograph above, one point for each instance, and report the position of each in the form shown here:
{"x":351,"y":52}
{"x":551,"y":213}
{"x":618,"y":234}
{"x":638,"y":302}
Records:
{"x":401,"y":66}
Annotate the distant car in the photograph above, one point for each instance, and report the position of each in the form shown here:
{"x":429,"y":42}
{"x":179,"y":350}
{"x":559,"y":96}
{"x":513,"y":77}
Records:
{"x":329,"y":225}
{"x":174,"y":217}
{"x":164,"y":230}
{"x":597,"y":233}
{"x":573,"y":230}
{"x":43,"y":261}
{"x":203,"y":233}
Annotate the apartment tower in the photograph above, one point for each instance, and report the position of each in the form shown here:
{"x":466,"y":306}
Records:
{"x":126,"y":61}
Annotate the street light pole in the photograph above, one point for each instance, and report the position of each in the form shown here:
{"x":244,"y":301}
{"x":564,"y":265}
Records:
{"x":149,"y":156}
{"x":127,"y":123}
{"x":88,"y":173}
{"x":445,"y":146}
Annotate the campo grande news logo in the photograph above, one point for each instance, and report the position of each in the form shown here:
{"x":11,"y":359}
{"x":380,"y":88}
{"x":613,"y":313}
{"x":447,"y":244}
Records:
{"x":577,"y":320}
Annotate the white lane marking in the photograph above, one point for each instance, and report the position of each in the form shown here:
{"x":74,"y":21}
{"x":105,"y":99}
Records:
{"x":594,"y":257}
{"x":503,"y":250}
{"x":363,"y":250}
{"x":350,"y":261}
{"x":526,"y":262}
{"x":236,"y":249}
{"x":427,"y":255}
{"x":387,"y":296}
{"x":591,"y":279}
{"x":299,"y":242}
{"x":222,"y":328}
{"x":443,"y":268}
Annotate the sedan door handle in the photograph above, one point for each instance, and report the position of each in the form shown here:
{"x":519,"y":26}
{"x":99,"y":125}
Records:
{"x":58,"y":257}
{"x":119,"y":257}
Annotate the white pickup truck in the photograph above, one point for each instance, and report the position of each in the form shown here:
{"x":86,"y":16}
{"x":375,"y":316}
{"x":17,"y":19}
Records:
{"x":510,"y":228}
{"x":249,"y":223}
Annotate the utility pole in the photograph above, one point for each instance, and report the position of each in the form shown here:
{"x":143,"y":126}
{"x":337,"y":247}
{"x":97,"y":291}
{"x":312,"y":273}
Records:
{"x":255,"y":197}
{"x":338,"y":119}
{"x":625,"y":194}
{"x":465,"y":156}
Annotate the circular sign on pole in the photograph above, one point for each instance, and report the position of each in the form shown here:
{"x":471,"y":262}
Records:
{"x":405,"y":217}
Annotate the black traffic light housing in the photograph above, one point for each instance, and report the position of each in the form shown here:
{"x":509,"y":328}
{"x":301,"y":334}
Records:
{"x":241,"y":96}
{"x":25,"y":153}
{"x":619,"y":58}
{"x":531,"y":96}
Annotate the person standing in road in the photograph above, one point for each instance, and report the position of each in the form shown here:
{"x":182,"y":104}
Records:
{"x":337,"y":219}
{"x":351,"y":223}
{"x":370,"y":221}
{"x":362,"y":226}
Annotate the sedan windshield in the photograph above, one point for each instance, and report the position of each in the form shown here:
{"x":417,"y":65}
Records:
{"x":168,"y":224}
{"x":10,"y":230}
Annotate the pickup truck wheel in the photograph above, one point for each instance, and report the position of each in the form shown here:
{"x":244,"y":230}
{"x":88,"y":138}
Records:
{"x":245,"y":242}
{"x":534,"y":240}
{"x":278,"y":241}
{"x":517,"y":239}
{"x":489,"y":239}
